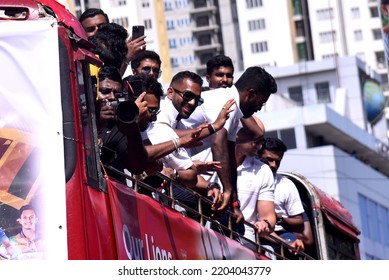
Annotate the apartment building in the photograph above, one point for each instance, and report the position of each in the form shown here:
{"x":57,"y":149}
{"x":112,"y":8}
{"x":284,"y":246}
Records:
{"x":332,"y":142}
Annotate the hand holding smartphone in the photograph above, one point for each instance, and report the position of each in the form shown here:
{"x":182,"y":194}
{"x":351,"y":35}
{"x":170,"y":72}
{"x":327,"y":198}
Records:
{"x":137,"y":31}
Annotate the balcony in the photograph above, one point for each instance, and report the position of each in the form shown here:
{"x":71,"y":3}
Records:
{"x":203,"y":6}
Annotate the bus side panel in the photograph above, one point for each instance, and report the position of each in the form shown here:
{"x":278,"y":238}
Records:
{"x":89,"y":223}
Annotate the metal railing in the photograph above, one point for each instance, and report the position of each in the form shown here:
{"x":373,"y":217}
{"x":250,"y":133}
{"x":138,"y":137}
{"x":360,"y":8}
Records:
{"x":166,"y":197}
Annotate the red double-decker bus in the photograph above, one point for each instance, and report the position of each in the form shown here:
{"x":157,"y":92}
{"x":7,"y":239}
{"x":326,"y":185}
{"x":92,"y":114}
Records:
{"x":49,"y":160}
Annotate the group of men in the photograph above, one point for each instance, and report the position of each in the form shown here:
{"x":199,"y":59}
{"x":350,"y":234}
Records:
{"x":205,"y":138}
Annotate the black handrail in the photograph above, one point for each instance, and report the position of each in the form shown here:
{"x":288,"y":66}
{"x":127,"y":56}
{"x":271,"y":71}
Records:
{"x":169,"y":201}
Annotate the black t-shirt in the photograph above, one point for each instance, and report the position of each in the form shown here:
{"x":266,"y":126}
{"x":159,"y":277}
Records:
{"x":114,"y":150}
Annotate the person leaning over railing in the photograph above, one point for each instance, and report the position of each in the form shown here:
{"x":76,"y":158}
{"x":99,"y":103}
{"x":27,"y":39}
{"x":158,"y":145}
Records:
{"x":288,"y":206}
{"x":183,"y":96}
{"x":255,"y":185}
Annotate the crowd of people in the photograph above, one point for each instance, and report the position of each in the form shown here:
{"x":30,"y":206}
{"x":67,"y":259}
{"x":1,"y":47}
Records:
{"x":204,"y":137}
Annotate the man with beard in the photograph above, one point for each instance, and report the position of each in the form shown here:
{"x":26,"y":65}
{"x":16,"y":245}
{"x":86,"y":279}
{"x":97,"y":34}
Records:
{"x":183,"y":96}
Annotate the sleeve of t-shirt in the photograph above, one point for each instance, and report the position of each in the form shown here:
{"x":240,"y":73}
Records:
{"x":159,"y":133}
{"x":293,"y":205}
{"x":266,"y":191}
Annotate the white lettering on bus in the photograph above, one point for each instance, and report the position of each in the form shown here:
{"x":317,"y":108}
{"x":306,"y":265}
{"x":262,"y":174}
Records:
{"x":134,"y":247}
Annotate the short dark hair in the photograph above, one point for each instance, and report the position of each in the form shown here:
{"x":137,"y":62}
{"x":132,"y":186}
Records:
{"x":92,"y":12}
{"x":110,"y":72}
{"x":143,"y":55}
{"x":110,"y":43}
{"x":151,"y":85}
{"x":26,"y":207}
{"x":218,"y":61}
{"x":257,"y":78}
{"x":180,"y":76}
{"x":273,"y":144}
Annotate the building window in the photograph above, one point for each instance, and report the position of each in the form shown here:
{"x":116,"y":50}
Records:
{"x":296,"y":94}
{"x":329,"y":56}
{"x":302,"y":51}
{"x":204,"y":57}
{"x":253,"y":3}
{"x":324,"y":14}
{"x":168,"y":6}
{"x":257,"y":24}
{"x":123,"y":21}
{"x":287,"y":136}
{"x":145,"y":4}
{"x":297,"y":7}
{"x":374,"y":12}
{"x":170,"y":24}
{"x":202,"y":21}
{"x":323,"y":92}
{"x":355,"y":13}
{"x":200,"y":4}
{"x":174,"y":62}
{"x":172,"y":43}
{"x":259,"y":47}
{"x":377,"y":34}
{"x":380,"y":57}
{"x":375,"y":220}
{"x":205,"y":40}
{"x":358,"y":35}
{"x":147,"y":23}
{"x":121,"y":2}
{"x":327,"y":37}
{"x":300,"y":31}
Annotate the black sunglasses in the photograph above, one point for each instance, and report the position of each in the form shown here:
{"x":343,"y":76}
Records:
{"x":147,"y":69}
{"x":93,"y":28}
{"x":188,"y":96}
{"x":154,"y":112}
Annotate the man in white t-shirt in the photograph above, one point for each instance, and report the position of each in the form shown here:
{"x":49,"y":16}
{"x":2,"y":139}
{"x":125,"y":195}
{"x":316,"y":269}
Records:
{"x":255,"y":185}
{"x":250,"y":92}
{"x":183,"y":96}
{"x":288,"y":206}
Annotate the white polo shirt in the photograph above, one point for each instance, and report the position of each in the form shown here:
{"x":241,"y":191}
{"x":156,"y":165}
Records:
{"x":255,"y":182}
{"x":162,"y":130}
{"x":287,"y":199}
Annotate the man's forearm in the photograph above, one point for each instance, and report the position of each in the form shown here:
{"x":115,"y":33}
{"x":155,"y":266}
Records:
{"x":160,"y":150}
{"x":221,"y":153}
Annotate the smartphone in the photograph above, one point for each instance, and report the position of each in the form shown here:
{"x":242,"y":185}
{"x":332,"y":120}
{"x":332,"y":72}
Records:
{"x":134,"y":87}
{"x":137,"y":31}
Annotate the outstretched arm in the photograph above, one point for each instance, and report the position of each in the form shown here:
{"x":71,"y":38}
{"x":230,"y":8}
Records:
{"x":224,"y":152}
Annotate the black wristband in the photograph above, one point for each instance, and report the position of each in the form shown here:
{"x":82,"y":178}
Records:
{"x":211,"y":129}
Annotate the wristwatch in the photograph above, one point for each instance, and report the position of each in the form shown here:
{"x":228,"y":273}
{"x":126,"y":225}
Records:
{"x":175,"y":174}
{"x":280,"y":221}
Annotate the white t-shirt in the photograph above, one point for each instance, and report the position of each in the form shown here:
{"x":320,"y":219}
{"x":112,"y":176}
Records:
{"x":255,"y":182}
{"x":162,"y":130}
{"x":214,"y":101}
{"x":287,"y":199}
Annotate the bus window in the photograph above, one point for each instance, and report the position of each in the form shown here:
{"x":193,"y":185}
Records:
{"x":89,"y":130}
{"x":340,"y":246}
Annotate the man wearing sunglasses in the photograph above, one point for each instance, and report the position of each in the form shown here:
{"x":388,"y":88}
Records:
{"x":183,"y":97}
{"x":147,"y":63}
{"x":91,"y":19}
{"x":250,"y":92}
